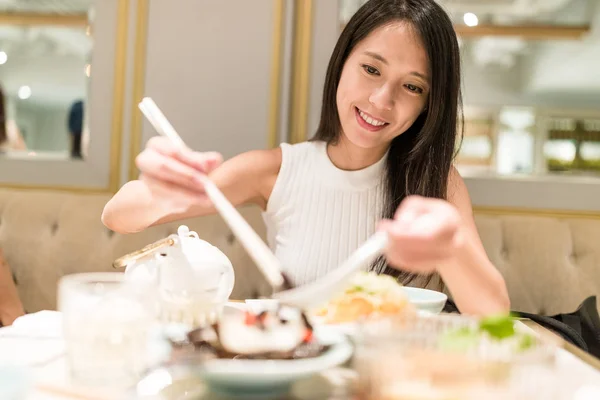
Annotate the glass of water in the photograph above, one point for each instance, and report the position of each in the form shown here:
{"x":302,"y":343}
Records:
{"x":106,"y":325}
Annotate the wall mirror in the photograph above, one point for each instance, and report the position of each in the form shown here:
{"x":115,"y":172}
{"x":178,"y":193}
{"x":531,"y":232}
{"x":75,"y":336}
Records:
{"x":44,"y":72}
{"x":62,"y":66}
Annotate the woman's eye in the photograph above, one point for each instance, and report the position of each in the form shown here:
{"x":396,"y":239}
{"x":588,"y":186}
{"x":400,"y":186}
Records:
{"x":371,"y":70}
{"x":414,"y":89}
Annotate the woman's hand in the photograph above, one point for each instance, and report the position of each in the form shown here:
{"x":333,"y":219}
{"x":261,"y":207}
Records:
{"x":424,"y":233}
{"x":432,"y":235}
{"x":170,"y":187}
{"x":10,"y":314}
{"x":173,"y":176}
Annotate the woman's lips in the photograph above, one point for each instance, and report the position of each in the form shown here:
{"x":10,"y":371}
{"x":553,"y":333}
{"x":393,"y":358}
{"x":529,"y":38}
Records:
{"x":368,"y":122}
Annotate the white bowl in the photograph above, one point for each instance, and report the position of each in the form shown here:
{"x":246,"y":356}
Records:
{"x":426,"y":300}
{"x":272,"y":378}
{"x":423,"y":299}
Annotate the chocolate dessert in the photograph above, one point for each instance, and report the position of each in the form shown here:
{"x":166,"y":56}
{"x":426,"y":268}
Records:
{"x":281,"y":334}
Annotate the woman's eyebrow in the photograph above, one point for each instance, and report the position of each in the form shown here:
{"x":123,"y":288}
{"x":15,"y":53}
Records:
{"x":381,"y":58}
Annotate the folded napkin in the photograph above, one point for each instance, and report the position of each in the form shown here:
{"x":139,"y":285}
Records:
{"x":33,"y":340}
{"x":47,"y":324}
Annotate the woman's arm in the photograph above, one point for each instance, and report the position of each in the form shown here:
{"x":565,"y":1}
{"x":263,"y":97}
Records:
{"x":477,"y":287}
{"x":10,"y":304}
{"x":432,"y":235}
{"x":246,"y":178}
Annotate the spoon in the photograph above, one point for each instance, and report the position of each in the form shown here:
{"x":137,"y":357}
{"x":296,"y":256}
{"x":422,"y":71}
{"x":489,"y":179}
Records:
{"x":306,"y":296}
{"x":318,"y":292}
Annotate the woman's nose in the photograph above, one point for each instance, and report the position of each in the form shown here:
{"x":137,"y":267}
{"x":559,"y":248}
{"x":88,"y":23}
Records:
{"x":382,"y":98}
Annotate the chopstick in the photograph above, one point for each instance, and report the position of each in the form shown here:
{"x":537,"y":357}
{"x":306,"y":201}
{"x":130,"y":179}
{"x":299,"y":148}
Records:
{"x":69,"y":393}
{"x":257,"y":249}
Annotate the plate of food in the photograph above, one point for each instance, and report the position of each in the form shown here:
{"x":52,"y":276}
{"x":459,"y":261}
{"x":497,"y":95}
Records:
{"x":452,"y":357}
{"x":371,"y":295}
{"x":259,"y":354}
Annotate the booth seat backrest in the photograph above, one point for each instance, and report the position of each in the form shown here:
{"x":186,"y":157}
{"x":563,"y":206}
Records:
{"x":46,"y":235}
{"x":550,"y":264}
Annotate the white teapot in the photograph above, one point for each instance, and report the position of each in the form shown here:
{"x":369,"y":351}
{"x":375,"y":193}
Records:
{"x":193,"y":278}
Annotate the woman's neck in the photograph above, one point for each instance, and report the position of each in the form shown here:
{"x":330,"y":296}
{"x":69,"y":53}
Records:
{"x":349,"y":157}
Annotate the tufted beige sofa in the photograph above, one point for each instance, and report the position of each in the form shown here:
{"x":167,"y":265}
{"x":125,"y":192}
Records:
{"x":550,"y":264}
{"x":46,"y":235}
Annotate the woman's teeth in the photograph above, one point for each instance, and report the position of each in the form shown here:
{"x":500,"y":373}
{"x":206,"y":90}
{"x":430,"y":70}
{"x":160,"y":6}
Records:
{"x":369,"y":120}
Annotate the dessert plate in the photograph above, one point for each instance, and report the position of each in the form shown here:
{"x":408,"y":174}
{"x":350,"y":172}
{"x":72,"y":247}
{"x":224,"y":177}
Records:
{"x":266,"y":379}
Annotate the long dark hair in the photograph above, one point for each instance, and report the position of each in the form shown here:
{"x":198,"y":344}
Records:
{"x":3,"y":134}
{"x":419,"y":160}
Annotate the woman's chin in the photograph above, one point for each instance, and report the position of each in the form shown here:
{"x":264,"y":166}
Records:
{"x":366,"y":140}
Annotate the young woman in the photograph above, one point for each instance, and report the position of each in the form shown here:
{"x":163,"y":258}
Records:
{"x":383,"y":150}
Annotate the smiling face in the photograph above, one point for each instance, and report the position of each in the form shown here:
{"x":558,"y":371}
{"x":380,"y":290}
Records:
{"x":384,"y":86}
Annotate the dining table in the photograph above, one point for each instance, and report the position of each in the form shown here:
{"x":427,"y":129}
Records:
{"x":35,"y":344}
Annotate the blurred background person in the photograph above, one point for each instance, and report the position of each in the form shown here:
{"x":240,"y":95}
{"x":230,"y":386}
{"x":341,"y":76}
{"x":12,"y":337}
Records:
{"x":11,"y":307}
{"x":10,"y":137}
{"x":75,"y":124}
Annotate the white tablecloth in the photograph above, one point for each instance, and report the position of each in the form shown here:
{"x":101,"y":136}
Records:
{"x":35,"y":341}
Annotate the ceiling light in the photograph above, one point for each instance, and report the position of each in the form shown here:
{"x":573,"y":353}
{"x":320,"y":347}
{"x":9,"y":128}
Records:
{"x":471,"y":19}
{"x":24,"y":92}
{"x":88,"y":70}
{"x":3,"y":57}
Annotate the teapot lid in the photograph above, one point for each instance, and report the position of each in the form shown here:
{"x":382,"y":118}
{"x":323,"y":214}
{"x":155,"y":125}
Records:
{"x":198,"y":250}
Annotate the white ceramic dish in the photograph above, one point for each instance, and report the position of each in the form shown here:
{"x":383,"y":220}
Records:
{"x":264,"y":379}
{"x":273,"y":378}
{"x":426,"y":300}
{"x":423,"y":299}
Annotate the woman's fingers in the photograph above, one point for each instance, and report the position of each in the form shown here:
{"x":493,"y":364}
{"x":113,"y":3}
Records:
{"x":170,"y":170}
{"x":164,"y":161}
{"x":204,"y":162}
{"x":423,"y":232}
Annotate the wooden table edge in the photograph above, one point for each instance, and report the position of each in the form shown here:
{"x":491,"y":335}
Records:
{"x":571,"y":348}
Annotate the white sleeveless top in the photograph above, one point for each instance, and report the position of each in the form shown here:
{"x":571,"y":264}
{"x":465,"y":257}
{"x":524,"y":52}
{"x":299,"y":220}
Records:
{"x":318,"y":214}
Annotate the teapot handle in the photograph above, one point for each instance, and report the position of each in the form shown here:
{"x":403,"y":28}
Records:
{"x":228,"y":281}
